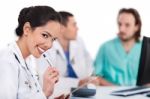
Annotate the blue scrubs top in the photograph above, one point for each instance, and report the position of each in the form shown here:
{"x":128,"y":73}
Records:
{"x":115,"y":65}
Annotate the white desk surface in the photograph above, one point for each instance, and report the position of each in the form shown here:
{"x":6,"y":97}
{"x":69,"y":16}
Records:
{"x":104,"y":93}
{"x":64,"y":86}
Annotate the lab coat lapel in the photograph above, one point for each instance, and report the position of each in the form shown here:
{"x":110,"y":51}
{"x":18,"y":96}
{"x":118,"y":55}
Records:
{"x":59,"y":49}
{"x":72,"y":49}
{"x":17,"y":52}
{"x":73,"y":52}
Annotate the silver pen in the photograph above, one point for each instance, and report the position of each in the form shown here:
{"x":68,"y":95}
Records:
{"x":48,"y":60}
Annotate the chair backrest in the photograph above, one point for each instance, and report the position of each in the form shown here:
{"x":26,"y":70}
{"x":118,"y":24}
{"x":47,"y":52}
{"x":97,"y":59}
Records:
{"x":144,"y":65}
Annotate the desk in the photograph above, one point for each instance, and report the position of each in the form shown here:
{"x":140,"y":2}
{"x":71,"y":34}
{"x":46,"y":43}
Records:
{"x":101,"y":92}
{"x":104,"y":93}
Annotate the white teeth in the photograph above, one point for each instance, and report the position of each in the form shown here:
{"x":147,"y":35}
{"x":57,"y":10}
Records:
{"x":42,"y":50}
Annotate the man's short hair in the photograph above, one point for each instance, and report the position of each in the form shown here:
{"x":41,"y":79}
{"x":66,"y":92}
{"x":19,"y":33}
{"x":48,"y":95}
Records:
{"x":65,"y":17}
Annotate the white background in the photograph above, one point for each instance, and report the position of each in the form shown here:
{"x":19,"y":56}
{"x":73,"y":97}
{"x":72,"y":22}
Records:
{"x":96,"y":18}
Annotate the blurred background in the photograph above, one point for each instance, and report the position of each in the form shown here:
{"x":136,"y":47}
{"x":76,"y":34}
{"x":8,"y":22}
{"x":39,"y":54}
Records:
{"x":96,"y":19}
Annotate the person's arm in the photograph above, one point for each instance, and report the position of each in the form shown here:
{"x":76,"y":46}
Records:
{"x":8,"y":79}
{"x":50,"y":77}
{"x":96,"y":80}
{"x":101,"y":81}
{"x":99,"y":66}
{"x":63,"y":96}
{"x":87,"y":58}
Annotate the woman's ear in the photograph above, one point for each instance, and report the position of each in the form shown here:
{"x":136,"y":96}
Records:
{"x":26,"y":28}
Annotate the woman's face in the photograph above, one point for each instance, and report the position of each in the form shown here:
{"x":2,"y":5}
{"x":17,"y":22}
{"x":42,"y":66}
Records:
{"x":41,"y":38}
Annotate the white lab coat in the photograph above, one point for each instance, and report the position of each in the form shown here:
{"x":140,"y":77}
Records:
{"x":16,"y":80}
{"x":79,"y":57}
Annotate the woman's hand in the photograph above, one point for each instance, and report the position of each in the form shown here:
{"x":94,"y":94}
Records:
{"x":63,"y":96}
{"x":50,"y":77}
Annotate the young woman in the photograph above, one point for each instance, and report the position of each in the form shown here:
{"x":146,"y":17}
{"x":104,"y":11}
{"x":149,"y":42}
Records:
{"x":38,"y":26}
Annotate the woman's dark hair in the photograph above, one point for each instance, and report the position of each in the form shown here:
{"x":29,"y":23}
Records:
{"x":36,"y":16}
{"x":65,"y":17}
{"x":138,"y":21}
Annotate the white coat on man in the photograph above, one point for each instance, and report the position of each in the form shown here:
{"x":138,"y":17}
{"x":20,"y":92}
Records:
{"x":80,"y":59}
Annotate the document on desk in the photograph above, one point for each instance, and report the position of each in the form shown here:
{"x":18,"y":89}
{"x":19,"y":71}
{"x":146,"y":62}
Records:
{"x":64,"y":85}
{"x":132,"y":91}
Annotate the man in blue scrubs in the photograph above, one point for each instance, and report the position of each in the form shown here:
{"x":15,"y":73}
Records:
{"x":117,"y":60}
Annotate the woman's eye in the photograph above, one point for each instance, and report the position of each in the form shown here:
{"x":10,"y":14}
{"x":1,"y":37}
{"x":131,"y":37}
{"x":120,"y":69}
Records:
{"x":45,"y":35}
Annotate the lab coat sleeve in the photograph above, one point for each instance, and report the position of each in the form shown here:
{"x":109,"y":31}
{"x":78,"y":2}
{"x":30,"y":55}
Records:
{"x":88,"y":59}
{"x":8,"y":79}
{"x":100,"y":61}
{"x":89,"y":62}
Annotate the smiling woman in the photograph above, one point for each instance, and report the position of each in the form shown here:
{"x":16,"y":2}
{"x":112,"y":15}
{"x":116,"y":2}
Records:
{"x":37,"y":29}
{"x":38,"y":26}
{"x":40,"y":39}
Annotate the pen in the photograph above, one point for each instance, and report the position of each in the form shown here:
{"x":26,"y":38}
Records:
{"x":48,"y":61}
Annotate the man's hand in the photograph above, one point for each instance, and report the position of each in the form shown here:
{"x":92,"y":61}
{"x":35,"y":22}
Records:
{"x":96,"y":80}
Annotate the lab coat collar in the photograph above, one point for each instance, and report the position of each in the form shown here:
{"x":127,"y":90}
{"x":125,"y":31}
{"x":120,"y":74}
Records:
{"x":16,"y":50}
{"x":72,"y":49}
{"x":59,"y":49}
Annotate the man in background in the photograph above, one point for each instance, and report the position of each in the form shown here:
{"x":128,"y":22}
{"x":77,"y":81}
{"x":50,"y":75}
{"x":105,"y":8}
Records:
{"x":117,"y":60}
{"x":68,"y":53}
